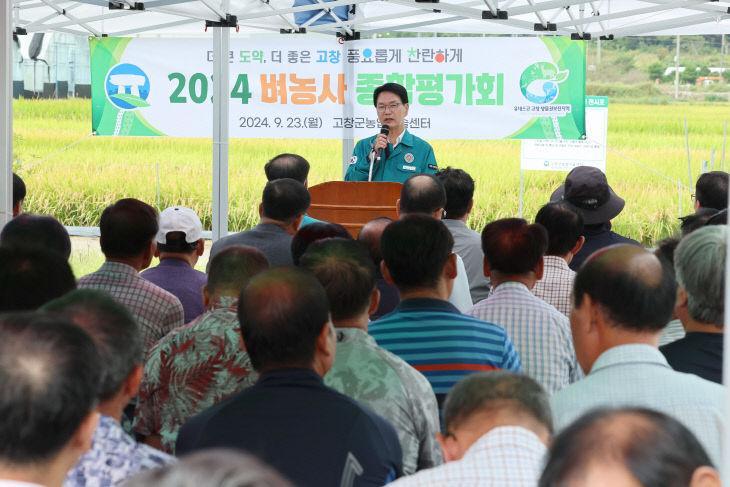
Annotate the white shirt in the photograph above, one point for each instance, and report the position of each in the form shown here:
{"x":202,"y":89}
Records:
{"x":507,"y":456}
{"x":460,"y":295}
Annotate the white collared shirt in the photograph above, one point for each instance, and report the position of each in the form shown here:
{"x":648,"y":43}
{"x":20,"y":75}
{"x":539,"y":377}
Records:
{"x":399,"y":138}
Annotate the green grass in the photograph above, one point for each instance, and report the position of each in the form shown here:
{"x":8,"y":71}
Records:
{"x":75,"y":185}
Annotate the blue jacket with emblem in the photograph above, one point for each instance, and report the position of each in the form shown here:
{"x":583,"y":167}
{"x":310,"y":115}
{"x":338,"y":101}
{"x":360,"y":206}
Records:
{"x":413,"y":155}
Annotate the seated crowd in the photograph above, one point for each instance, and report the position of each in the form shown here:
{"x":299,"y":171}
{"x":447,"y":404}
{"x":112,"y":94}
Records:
{"x":421,"y":353}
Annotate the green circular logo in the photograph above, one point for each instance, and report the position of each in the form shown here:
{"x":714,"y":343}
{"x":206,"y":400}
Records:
{"x":539,"y":82}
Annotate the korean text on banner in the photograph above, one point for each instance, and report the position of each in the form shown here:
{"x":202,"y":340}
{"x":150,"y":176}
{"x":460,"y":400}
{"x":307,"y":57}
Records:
{"x":564,"y":155}
{"x":525,"y":88}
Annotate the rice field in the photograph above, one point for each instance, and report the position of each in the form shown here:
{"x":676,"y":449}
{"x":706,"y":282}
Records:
{"x":76,"y":184}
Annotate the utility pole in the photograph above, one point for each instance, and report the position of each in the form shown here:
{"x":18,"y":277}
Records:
{"x":598,"y":53}
{"x":722,"y":58}
{"x":676,"y":72}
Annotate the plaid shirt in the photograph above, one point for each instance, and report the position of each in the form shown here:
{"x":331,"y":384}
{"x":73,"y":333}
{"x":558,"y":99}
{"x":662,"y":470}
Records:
{"x":192,"y":368}
{"x":540,"y":333}
{"x":113,"y":457}
{"x":556,"y":284}
{"x":156,"y":310}
{"x":506,"y":456}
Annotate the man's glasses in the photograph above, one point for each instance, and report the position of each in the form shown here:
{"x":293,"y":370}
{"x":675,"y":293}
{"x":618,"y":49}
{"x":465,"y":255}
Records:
{"x":392,"y":107}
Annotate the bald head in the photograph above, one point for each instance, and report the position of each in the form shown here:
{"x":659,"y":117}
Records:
{"x":647,"y":446}
{"x":370,"y":235}
{"x":635,"y":289}
{"x":422,"y":193}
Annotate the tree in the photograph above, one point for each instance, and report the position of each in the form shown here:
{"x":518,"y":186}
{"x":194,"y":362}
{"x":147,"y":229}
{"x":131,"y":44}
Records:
{"x":656,"y":71}
{"x":689,"y":75}
{"x":726,"y":75}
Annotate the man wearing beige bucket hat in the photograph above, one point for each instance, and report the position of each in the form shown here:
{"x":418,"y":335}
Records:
{"x":587,"y":188}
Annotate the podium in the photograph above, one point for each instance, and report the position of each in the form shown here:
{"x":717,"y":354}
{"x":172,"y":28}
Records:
{"x":353,"y":203}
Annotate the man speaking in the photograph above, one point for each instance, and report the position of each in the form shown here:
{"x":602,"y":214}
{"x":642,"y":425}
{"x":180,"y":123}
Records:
{"x":395,"y":154}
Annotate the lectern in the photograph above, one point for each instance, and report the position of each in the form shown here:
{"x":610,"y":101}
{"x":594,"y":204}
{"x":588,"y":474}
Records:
{"x":353,"y":203}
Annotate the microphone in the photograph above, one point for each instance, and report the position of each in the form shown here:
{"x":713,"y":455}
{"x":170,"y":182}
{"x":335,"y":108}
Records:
{"x":385,"y":130}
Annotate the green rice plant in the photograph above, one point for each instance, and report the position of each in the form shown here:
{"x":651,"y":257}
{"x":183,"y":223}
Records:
{"x":76,"y":184}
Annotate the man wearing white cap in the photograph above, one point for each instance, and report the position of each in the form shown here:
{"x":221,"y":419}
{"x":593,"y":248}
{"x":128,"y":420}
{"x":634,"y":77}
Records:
{"x":179,"y":245}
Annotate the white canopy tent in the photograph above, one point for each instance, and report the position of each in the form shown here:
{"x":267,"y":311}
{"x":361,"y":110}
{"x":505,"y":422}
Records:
{"x":580,"y":19}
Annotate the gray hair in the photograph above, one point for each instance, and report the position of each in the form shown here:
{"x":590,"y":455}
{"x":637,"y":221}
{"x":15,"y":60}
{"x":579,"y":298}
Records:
{"x":485,"y":391}
{"x":212,"y":468}
{"x":700,"y":266}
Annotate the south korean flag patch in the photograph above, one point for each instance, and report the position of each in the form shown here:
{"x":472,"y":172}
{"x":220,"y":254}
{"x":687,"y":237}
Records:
{"x":353,"y":160}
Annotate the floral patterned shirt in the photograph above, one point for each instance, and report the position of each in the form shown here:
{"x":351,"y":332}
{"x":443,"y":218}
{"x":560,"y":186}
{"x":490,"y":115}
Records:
{"x":192,"y":368}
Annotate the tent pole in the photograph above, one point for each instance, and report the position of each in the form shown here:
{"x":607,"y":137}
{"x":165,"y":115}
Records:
{"x":6,"y":101}
{"x":726,"y":361}
{"x":221,"y":43}
{"x":348,"y":110}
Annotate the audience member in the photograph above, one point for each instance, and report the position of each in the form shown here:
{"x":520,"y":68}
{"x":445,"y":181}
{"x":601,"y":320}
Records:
{"x":425,"y":330}
{"x":203,"y":362}
{"x":369,"y":236}
{"x":496,"y":426}
{"x":623,"y":297}
{"x":674,"y":329}
{"x":31,"y":277}
{"x":282,"y":208}
{"x":313,"y":232}
{"x":217,"y":467}
{"x":587,"y":188}
{"x":291,"y":166}
{"x":719,"y":218}
{"x":114,"y":456}
{"x":628,"y":447}
{"x":27,"y":230}
{"x":513,"y":253}
{"x":364,"y":371}
{"x":289,"y":418}
{"x":18,"y":194}
{"x":424,"y":194}
{"x":459,"y":187}
{"x":696,"y":220}
{"x":700,"y":306}
{"x":128,"y":230}
{"x":49,"y":375}
{"x":564,"y":225}
{"x":711,"y":190}
{"x":179,"y":245}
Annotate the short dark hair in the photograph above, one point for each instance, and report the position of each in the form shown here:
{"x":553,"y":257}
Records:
{"x":696,"y":220}
{"x":282,"y":312}
{"x":113,"y":329}
{"x":459,"y":187}
{"x":370,"y":235}
{"x":291,"y":166}
{"x":35,"y":230}
{"x":127,"y":227}
{"x":494,"y":390}
{"x":665,"y":250}
{"x":711,"y":189}
{"x":31,"y":277}
{"x":232,"y":269}
{"x":415,"y":250}
{"x":49,"y":369}
{"x":635,"y":296}
{"x":176,"y":243}
{"x":513,"y":246}
{"x":422,"y":193}
{"x":394,"y":88}
{"x":564,"y":224}
{"x":18,"y":189}
{"x":654,"y":447}
{"x":285,"y":199}
{"x":308,"y":234}
{"x":347,"y":273}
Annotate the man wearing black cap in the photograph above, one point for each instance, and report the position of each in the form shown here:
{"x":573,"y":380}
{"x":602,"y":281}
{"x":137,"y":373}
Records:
{"x":587,"y":188}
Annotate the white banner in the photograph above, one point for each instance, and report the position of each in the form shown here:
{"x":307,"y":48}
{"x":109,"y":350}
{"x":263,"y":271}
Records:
{"x":564,"y":155}
{"x":459,"y":88}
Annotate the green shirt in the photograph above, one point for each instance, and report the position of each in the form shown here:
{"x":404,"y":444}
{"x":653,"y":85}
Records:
{"x":412,"y":156}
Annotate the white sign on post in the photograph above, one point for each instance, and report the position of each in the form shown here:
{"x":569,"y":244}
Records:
{"x":564,"y":155}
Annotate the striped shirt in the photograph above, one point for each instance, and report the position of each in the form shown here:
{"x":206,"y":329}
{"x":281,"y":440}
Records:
{"x":540,"y":333}
{"x":443,"y":344}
